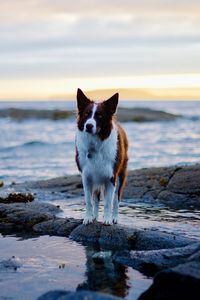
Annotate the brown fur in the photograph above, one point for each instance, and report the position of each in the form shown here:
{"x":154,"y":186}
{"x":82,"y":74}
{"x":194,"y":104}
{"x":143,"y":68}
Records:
{"x":120,"y":168}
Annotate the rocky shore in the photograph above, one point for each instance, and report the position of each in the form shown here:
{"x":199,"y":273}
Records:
{"x":173,"y":187}
{"x":173,"y":260}
{"x":123,"y":114}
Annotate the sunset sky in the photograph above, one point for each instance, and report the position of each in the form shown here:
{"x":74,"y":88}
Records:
{"x":49,"y":48}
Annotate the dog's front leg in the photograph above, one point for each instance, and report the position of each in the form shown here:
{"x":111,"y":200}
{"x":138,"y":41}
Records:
{"x":87,"y":186}
{"x":108,"y":202}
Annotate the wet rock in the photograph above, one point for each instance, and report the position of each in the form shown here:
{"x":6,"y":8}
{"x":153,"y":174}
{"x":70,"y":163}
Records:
{"x":173,"y":187}
{"x":106,"y":236}
{"x":66,"y":187}
{"x":181,"y":282}
{"x":17,"y":198}
{"x":150,"y":262}
{"x":82,"y":295}
{"x":147,"y":183}
{"x":57,"y":226}
{"x":122,"y":237}
{"x":183,"y":189}
{"x":149,"y":239}
{"x":87,"y":233}
{"x":115,"y":236}
{"x":41,"y":218}
{"x":24,"y":216}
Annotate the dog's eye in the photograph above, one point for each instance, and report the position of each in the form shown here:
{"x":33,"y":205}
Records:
{"x":99,"y":116}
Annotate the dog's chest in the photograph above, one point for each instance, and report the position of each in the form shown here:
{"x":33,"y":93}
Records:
{"x":96,"y":157}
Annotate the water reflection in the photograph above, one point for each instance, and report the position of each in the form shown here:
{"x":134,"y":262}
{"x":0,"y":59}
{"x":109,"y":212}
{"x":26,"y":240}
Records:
{"x":103,"y":275}
{"x":50,"y":263}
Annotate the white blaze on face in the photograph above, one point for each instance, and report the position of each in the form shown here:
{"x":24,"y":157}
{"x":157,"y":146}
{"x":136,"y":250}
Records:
{"x":91,"y":125}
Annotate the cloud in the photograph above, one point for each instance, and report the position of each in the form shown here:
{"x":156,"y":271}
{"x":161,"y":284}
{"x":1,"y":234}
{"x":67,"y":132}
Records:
{"x":49,"y":38}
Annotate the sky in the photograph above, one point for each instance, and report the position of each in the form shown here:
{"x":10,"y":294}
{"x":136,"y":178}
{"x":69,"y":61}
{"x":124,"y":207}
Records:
{"x":49,"y":48}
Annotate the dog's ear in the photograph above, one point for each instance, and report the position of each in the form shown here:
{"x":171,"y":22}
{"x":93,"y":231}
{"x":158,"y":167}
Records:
{"x":82,"y":100}
{"x":111,"y":103}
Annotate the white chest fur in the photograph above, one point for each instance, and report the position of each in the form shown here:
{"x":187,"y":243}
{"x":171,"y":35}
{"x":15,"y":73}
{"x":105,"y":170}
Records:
{"x":96,"y":157}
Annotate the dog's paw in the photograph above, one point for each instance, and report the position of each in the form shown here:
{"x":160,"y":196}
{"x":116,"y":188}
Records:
{"x":108,"y":221}
{"x":88,"y":220}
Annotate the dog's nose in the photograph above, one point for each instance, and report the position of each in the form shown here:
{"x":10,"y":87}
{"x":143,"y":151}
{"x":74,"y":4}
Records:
{"x":89,"y":127}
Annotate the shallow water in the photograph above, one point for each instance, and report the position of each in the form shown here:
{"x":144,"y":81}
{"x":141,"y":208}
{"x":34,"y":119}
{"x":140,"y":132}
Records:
{"x":48,"y":263}
{"x":142,"y":215}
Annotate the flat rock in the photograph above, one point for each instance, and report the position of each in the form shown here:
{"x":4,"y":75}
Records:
{"x":150,"y":262}
{"x":57,"y":226}
{"x":82,"y":295}
{"x":122,"y":237}
{"x":111,"y":236}
{"x":181,"y":282}
{"x":25,"y":215}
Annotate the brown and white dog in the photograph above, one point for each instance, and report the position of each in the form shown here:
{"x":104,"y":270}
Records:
{"x":101,"y":156}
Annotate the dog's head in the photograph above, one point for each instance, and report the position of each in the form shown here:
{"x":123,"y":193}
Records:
{"x":96,"y":118}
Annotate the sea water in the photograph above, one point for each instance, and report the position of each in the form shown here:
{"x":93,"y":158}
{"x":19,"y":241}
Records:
{"x":35,"y":149}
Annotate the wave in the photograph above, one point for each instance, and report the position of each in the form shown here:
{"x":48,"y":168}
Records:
{"x":27,"y":144}
{"x":33,"y":143}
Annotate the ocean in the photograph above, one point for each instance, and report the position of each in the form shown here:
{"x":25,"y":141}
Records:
{"x":35,"y":149}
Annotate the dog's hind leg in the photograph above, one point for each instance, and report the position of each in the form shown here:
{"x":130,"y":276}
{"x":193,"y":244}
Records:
{"x":96,"y":199}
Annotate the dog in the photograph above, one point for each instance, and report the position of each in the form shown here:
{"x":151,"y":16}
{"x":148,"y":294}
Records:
{"x":101,"y":156}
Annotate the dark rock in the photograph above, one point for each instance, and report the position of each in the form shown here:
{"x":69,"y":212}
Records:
{"x":122,"y":237}
{"x":183,"y":190}
{"x":41,"y":217}
{"x":179,"y":283}
{"x":82,"y":295}
{"x":173,"y":187}
{"x":154,"y":240}
{"x":114,"y":236}
{"x":87,"y":233}
{"x":186,"y":181}
{"x":25,"y":216}
{"x":147,"y":183}
{"x":150,"y":262}
{"x":58,"y":226}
